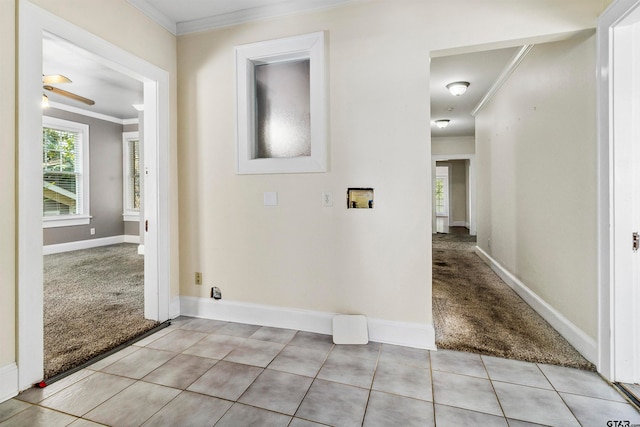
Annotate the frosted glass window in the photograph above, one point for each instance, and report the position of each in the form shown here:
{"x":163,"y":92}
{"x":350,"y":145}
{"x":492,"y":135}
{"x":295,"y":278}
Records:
{"x":283,"y":110}
{"x":282,"y":117}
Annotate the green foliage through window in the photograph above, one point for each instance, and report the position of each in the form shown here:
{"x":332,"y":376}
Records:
{"x":60,"y":154}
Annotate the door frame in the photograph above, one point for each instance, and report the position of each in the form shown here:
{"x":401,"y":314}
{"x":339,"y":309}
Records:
{"x":472,"y":187}
{"x":33,"y":21}
{"x":619,"y":303}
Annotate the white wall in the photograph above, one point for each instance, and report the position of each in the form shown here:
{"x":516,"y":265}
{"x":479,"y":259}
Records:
{"x":455,"y":145}
{"x":536,"y":153}
{"x":7,"y":189}
{"x":301,"y":255}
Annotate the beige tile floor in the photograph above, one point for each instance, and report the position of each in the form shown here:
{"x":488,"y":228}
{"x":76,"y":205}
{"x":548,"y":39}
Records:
{"x":203,"y":373}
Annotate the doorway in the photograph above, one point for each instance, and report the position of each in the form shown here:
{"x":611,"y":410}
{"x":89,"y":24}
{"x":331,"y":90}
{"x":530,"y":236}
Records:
{"x":33,"y":22}
{"x":619,"y":154}
{"x":458,"y":177}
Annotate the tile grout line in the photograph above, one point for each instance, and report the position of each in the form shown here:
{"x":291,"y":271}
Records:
{"x":504,"y":415}
{"x":373,"y":377}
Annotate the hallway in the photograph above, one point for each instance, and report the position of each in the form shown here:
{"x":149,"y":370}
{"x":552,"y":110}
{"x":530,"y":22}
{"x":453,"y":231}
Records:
{"x":475,"y":311}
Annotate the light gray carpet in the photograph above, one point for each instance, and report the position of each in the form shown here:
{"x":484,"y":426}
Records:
{"x":475,"y":311}
{"x":93,"y":302}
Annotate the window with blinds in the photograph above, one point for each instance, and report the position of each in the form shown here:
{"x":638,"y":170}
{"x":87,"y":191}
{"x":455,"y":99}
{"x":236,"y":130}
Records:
{"x":132,"y":194}
{"x":64,"y":171}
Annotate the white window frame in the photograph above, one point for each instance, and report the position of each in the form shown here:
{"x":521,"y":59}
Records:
{"x":129,"y":214}
{"x":83,"y":218}
{"x":307,"y":46}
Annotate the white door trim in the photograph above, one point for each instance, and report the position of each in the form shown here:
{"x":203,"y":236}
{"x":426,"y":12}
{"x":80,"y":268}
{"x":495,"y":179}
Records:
{"x":617,"y":331}
{"x":472,"y":186}
{"x":32,"y":22}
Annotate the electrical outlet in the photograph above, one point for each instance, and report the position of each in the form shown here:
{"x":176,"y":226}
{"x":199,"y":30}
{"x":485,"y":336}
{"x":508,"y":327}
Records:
{"x":92,"y":231}
{"x":198,"y":278}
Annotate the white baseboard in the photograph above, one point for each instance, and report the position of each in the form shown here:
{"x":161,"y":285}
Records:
{"x":582,"y":342}
{"x":128,"y":238}
{"x":86,"y":244}
{"x":8,"y":381}
{"x":416,"y":335}
{"x":174,"y":307}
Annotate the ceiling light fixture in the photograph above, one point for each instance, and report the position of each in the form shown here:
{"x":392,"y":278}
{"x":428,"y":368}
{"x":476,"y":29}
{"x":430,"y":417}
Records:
{"x":458,"y":88}
{"x":45,"y":101}
{"x":442,"y":123}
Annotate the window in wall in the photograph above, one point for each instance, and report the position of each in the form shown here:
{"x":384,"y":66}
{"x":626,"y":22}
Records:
{"x":281,"y":104}
{"x":132,"y":183}
{"x":441,"y":196}
{"x":65,"y":173}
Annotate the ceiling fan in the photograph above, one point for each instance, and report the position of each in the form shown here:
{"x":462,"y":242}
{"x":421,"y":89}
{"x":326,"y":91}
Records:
{"x":48,"y":81}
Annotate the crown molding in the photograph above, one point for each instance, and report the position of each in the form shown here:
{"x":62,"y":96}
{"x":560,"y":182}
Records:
{"x":155,"y":15}
{"x":289,"y":7}
{"x":93,"y":114}
{"x":503,"y":77}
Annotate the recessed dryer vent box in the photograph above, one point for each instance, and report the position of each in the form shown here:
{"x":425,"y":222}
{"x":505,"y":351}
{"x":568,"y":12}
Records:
{"x":360,"y":198}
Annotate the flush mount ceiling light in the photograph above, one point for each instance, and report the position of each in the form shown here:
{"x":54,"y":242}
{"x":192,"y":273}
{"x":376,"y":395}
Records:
{"x":442,"y":123}
{"x":458,"y":88}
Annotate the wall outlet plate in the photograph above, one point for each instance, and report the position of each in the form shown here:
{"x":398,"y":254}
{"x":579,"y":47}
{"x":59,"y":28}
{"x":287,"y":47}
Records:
{"x":327,"y":199}
{"x":198,"y":278}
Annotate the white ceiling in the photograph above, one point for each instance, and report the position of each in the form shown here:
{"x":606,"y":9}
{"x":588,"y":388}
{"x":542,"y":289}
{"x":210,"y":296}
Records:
{"x":480,"y":69}
{"x":187,"y":16}
{"x":115,"y":93}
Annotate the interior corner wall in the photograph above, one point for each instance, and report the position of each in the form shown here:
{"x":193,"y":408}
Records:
{"x":536,"y":157}
{"x":8,"y":188}
{"x":105,"y":182}
{"x":454,"y":145}
{"x":302,"y":255}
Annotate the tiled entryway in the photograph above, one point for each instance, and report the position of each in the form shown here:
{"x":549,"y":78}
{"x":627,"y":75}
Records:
{"x":203,"y":373}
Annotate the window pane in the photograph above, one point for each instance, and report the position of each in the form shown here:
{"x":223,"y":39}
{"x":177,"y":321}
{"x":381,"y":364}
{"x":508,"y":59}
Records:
{"x":61,"y":173}
{"x":283,"y":127}
{"x":134,"y":175}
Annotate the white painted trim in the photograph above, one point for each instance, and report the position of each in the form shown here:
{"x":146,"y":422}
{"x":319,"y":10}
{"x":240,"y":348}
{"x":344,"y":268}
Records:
{"x":306,"y":46}
{"x":129,"y":238}
{"x":407,"y":334}
{"x":160,"y":18}
{"x":174,"y":307}
{"x":93,"y":114}
{"x":8,"y":381}
{"x":460,"y":224}
{"x":87,"y":244}
{"x":33,"y":21}
{"x":82,"y":130}
{"x":615,"y":196}
{"x":582,"y":342}
{"x":255,"y":14}
{"x":503,"y":77}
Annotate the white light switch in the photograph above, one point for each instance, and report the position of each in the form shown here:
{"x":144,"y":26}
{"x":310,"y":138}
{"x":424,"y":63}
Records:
{"x":327,"y":199}
{"x":271,"y":198}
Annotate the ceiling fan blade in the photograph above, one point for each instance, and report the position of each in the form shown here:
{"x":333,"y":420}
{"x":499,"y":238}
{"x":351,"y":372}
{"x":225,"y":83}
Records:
{"x":69,"y":95}
{"x":54,"y":79}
